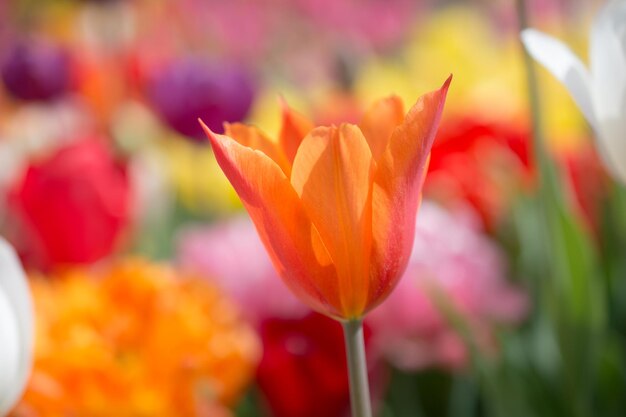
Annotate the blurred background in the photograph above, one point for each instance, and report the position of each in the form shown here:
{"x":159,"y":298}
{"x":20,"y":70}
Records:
{"x":153,"y":294}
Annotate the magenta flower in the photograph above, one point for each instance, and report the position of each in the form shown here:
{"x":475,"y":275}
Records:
{"x":453,"y":264}
{"x":36,"y":70}
{"x":192,"y":87}
{"x":231,"y":254}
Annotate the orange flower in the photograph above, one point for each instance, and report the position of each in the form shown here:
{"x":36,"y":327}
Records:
{"x":335,"y":206}
{"x":136,"y":339}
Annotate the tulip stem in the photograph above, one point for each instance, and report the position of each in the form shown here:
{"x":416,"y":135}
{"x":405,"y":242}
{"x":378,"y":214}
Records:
{"x":357,"y":369}
{"x":540,"y":152}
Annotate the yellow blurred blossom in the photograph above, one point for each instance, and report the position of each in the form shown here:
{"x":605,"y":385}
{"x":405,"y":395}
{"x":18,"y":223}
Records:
{"x":136,"y":339}
{"x":267,"y":106}
{"x":199,"y":183}
{"x":488,"y":72}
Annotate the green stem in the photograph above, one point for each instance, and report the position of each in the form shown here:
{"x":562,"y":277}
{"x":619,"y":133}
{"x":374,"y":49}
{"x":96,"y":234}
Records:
{"x":357,"y":369}
{"x":571,"y":262}
{"x":540,"y":152}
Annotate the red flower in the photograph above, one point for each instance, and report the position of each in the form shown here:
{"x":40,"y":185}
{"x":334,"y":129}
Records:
{"x":480,"y":163}
{"x":70,"y":207}
{"x":485,"y":163}
{"x":303,"y":371}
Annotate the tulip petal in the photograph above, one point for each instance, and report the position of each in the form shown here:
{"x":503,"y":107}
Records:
{"x":293,"y":243}
{"x":608,"y":69}
{"x":557,"y":58}
{"x":333,"y":173}
{"x":251,"y":137}
{"x":16,"y":319}
{"x":397,"y":190}
{"x":293,"y":130}
{"x":379,"y":122}
{"x":608,"y":61}
{"x":9,"y":352}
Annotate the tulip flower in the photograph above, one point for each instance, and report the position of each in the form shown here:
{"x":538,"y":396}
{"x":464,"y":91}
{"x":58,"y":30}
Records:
{"x":189,"y":87}
{"x":16,"y":328}
{"x":70,"y":207}
{"x":599,"y":92}
{"x":36,"y":71}
{"x":481,"y":163}
{"x":307,"y":352}
{"x":335,"y":206}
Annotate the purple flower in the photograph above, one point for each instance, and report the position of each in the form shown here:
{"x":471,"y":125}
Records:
{"x":452,"y":266}
{"x":192,"y":88}
{"x":36,"y":70}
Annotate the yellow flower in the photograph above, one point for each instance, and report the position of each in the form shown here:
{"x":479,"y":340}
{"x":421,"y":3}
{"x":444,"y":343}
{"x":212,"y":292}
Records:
{"x":197,"y":179}
{"x":490,"y":79}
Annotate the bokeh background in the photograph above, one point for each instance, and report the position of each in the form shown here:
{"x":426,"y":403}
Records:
{"x":153,"y":294}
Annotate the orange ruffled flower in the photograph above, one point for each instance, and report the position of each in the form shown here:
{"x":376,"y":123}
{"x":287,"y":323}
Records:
{"x":335,"y":206}
{"x":136,"y":340}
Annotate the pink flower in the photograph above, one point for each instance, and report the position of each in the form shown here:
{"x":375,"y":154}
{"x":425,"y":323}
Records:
{"x":549,"y":11}
{"x":452,"y":266}
{"x":378,"y":23}
{"x":231,"y":254}
{"x":237,"y":28}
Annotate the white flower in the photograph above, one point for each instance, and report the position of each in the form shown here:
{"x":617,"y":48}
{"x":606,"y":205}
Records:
{"x":16,"y":328}
{"x":600,"y":91}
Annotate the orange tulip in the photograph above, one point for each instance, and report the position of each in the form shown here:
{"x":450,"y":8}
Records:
{"x":335,"y":206}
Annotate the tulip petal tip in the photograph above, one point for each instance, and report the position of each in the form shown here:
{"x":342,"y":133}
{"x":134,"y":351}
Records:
{"x":207,"y":130}
{"x":285,"y":109}
{"x":204,"y":126}
{"x":446,"y":84}
{"x":528,"y":34}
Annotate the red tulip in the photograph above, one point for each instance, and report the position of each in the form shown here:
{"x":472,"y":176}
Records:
{"x":481,"y":163}
{"x":303,"y":371}
{"x":70,"y":207}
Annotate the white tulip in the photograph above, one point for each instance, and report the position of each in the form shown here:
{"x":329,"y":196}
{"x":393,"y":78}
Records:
{"x":16,"y":328}
{"x":600,"y":91}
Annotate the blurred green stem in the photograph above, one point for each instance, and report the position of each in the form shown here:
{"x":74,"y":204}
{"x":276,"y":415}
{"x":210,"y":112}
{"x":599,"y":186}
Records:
{"x":357,"y":369}
{"x":572,"y":294}
{"x":533,"y":96}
